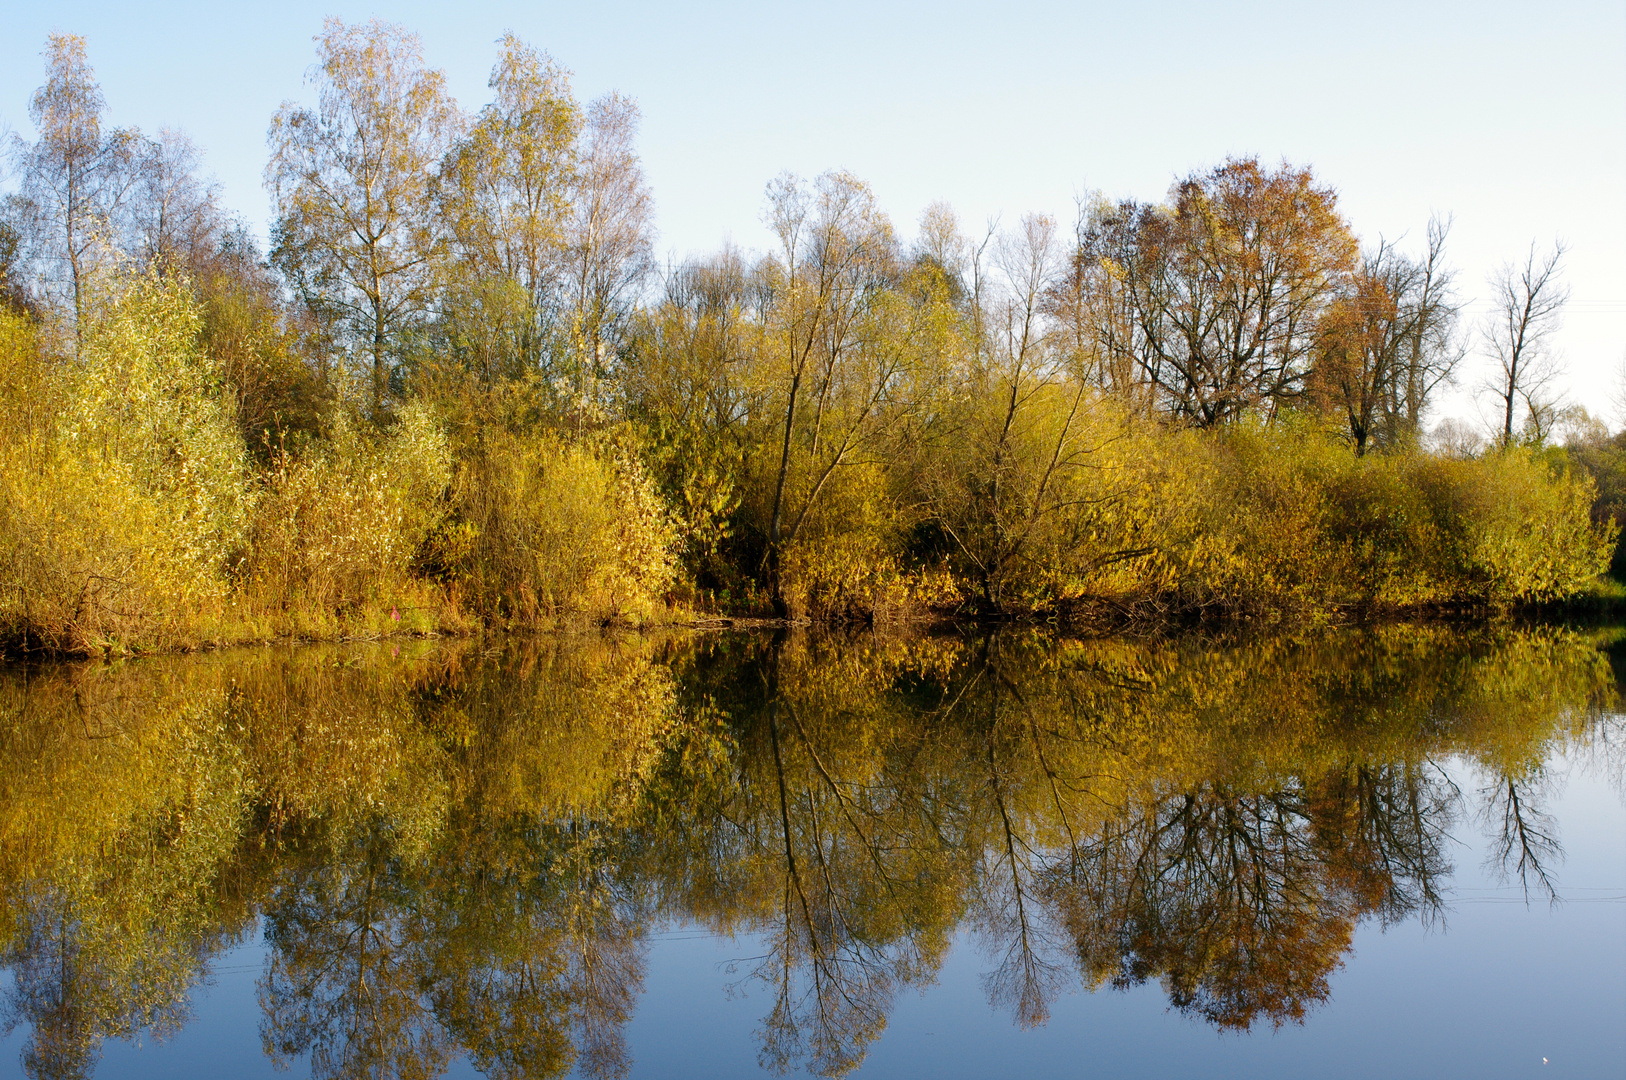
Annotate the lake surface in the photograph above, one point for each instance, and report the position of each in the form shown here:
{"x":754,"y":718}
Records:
{"x":1353,"y":853}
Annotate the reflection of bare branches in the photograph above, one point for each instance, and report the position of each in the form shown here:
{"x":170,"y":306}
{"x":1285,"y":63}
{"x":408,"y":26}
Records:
{"x":1392,"y":854}
{"x":1219,"y":895}
{"x":345,"y":977}
{"x":1525,"y":841}
{"x":1023,"y":980}
{"x":1604,"y":748}
{"x":849,"y":984}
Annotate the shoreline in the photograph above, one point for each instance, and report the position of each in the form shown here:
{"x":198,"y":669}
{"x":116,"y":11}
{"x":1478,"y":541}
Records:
{"x":1603,"y":607}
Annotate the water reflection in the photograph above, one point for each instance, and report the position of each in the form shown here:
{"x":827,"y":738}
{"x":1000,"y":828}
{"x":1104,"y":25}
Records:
{"x":457,"y":851}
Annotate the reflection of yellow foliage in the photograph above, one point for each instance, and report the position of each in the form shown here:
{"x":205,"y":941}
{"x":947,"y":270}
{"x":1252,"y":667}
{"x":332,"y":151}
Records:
{"x":484,"y":838}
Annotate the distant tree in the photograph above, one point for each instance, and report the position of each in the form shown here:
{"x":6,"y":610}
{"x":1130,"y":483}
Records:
{"x":1217,"y":296}
{"x":1518,"y":333}
{"x":15,"y":294}
{"x":76,"y":180}
{"x":353,"y":183}
{"x":175,"y":217}
{"x":1387,"y":341}
{"x":610,"y":233}
{"x":253,"y":336}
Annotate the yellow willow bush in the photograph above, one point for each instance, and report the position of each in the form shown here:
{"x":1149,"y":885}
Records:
{"x":1282,"y":519}
{"x":1286,"y":519}
{"x":1247,"y":531}
{"x":855,"y":576}
{"x":338,"y":529}
{"x":1516,"y":526}
{"x":548,"y":530}
{"x":123,"y":480}
{"x":847,"y":563}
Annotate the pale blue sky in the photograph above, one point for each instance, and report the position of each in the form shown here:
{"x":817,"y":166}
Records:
{"x":1510,"y":116}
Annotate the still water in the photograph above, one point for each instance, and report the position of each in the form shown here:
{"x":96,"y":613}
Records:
{"x":1396,"y":852}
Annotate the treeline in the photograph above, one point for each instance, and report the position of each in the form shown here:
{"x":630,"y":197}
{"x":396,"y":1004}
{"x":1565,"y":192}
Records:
{"x":484,"y":839}
{"x":458,"y":390}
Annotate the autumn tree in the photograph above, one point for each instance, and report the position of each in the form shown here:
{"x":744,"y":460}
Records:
{"x":175,"y":215}
{"x":1092,"y":306}
{"x":1024,"y":429}
{"x":1518,"y":333}
{"x":352,"y":182}
{"x":76,"y":179}
{"x":1387,"y":341}
{"x":256,"y":339}
{"x":506,"y":194}
{"x":835,"y":250}
{"x":15,"y":294}
{"x":1221,"y":290}
{"x":688,"y":384}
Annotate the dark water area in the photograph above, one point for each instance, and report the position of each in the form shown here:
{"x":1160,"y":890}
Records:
{"x":1397,"y":851}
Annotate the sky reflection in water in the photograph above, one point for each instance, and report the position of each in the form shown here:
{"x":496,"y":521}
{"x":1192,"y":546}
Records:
{"x":1294,"y":856}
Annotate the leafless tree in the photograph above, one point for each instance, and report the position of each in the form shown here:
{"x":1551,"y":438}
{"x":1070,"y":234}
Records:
{"x":175,"y":215}
{"x":1388,"y":341}
{"x":1518,"y":334}
{"x":610,"y":236}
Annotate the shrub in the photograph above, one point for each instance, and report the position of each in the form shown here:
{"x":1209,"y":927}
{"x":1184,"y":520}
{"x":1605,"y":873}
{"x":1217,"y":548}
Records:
{"x":339,"y":528}
{"x":1281,"y":519}
{"x":550,"y":530}
{"x":123,"y":481}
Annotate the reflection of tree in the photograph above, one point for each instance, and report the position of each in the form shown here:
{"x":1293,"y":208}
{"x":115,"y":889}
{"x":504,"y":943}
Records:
{"x":1382,"y":830}
{"x":1524,"y":837}
{"x":1223,"y":896}
{"x":517,"y":946}
{"x":345,"y":979}
{"x":539,"y":952}
{"x":817,"y":817}
{"x":857,"y":918}
{"x":460,"y":855}
{"x":74,"y":994}
{"x":118,"y":802}
{"x":1011,"y":912}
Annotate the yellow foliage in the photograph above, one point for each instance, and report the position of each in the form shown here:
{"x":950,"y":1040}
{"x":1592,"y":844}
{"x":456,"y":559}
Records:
{"x":339,"y":528}
{"x":552,"y":530}
{"x":123,"y":481}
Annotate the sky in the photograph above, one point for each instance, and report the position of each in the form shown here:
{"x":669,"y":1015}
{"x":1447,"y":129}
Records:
{"x":1510,"y":117}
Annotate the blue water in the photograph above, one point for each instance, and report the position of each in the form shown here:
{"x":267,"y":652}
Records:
{"x":1504,"y":988}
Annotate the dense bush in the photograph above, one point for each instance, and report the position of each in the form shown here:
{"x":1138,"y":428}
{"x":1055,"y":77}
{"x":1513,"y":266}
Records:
{"x":1126,"y":515}
{"x":1283,"y":519}
{"x":1604,"y":459}
{"x":123,"y":480}
{"x":337,"y":530}
{"x":550,"y":530}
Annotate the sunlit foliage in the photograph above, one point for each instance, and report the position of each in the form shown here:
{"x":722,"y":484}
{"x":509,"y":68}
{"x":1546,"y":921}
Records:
{"x":450,"y":397}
